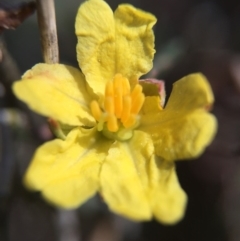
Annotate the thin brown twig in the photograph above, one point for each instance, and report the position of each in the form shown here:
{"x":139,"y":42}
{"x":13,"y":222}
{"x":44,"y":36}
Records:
{"x":48,"y":30}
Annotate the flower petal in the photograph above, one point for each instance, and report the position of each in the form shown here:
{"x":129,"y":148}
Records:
{"x":137,"y":184}
{"x":190,"y":93}
{"x":168,"y":200}
{"x":109,"y":44}
{"x":134,"y":41}
{"x":184,"y":128}
{"x":67,"y":172}
{"x":142,"y":150}
{"x":96,"y":47}
{"x":121,"y":184}
{"x":182,"y":137}
{"x":57,"y":91}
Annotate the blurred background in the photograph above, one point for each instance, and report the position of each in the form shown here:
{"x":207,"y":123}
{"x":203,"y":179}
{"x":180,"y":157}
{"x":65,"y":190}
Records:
{"x":191,"y":36}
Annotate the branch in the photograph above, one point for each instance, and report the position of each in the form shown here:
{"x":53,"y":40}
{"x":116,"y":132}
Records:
{"x":48,"y":30}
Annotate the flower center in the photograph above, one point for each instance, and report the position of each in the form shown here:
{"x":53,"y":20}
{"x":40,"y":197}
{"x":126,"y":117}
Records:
{"x":118,"y":114}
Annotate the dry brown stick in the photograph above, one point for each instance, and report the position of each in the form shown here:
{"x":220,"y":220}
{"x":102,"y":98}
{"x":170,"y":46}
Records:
{"x":48,"y":30}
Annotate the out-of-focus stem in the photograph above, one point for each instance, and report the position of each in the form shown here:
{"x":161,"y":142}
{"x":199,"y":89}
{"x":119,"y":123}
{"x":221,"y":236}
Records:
{"x":48,"y":30}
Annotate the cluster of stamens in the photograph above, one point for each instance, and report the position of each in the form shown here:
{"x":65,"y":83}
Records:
{"x":120,"y":106}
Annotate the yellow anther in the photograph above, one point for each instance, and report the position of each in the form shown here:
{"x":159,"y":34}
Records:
{"x":118,"y":76}
{"x":109,"y":104}
{"x":118,"y":102}
{"x":127,"y":101}
{"x":112,"y":123}
{"x":117,"y":81}
{"x":95,"y":109}
{"x":109,"y":89}
{"x":126,"y":86}
{"x":137,"y":103}
{"x":118,"y":93}
{"x":118,"y":110}
{"x":131,"y":121}
{"x":136,"y":91}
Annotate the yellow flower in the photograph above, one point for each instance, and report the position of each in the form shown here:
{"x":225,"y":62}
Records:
{"x":120,"y":141}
